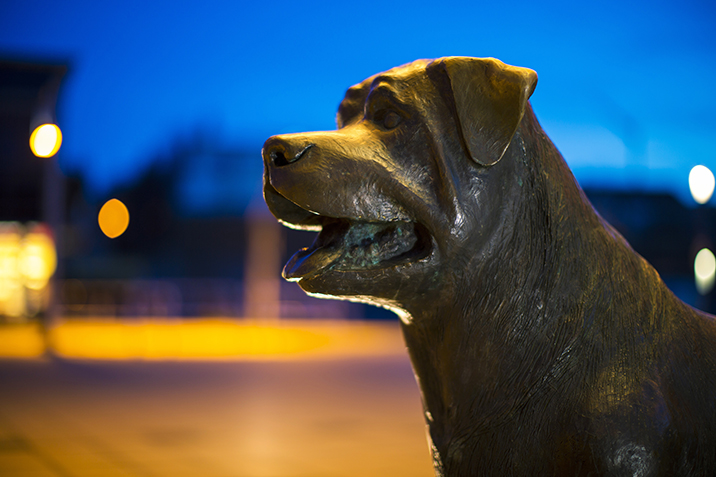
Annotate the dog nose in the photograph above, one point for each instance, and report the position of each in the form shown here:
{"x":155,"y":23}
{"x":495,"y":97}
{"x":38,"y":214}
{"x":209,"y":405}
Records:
{"x":280,"y":152}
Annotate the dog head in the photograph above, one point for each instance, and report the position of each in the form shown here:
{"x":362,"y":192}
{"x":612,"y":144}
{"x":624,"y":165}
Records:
{"x":411,"y":188}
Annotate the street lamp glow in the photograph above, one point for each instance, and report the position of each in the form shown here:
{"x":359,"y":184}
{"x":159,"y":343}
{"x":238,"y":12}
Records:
{"x":701,"y":184}
{"x":113,"y":218}
{"x":46,"y":140}
{"x":704,"y":270}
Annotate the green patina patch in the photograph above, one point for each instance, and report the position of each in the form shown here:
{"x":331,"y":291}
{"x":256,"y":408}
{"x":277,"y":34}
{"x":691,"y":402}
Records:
{"x":367,"y":244}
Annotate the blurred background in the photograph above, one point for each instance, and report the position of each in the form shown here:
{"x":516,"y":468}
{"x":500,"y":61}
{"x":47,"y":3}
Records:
{"x":132,"y":227}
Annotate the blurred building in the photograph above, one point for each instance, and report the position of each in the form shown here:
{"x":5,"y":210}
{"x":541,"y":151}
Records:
{"x":30,"y":189}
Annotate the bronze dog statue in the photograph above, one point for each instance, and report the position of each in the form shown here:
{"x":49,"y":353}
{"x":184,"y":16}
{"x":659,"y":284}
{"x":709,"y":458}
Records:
{"x":542,"y":343}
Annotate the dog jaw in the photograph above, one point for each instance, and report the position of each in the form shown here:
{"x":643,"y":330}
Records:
{"x":349,"y":255}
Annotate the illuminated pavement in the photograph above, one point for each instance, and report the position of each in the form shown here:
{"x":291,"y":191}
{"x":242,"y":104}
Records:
{"x":334,"y":414}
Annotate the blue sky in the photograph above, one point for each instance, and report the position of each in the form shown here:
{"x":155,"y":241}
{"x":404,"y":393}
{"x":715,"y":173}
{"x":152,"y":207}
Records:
{"x":625,"y":88}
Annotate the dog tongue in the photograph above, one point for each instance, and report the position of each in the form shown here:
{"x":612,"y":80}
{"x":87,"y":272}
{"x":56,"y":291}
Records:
{"x":326,"y":249}
{"x":308,"y":260}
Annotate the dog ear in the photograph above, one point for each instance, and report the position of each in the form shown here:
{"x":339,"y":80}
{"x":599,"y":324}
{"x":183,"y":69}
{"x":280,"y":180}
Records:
{"x":490,"y":99}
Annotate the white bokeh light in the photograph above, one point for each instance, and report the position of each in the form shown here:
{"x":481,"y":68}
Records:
{"x":701,"y":184}
{"x":46,"y":140}
{"x":704,"y":270}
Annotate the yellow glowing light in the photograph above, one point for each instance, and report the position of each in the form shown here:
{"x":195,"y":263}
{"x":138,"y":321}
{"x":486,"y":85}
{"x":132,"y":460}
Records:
{"x":28,"y":260}
{"x":113,"y":218}
{"x":213,"y":339}
{"x":12,"y":293}
{"x":9,"y":249}
{"x":165,"y":340}
{"x":204,"y":339}
{"x":46,"y":140}
{"x":701,"y":184}
{"x":704,"y":270}
{"x":21,"y":341}
{"x":37,"y":259}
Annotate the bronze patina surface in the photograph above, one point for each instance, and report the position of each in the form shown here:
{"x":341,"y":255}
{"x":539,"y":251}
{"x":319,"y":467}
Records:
{"x":542,"y":343}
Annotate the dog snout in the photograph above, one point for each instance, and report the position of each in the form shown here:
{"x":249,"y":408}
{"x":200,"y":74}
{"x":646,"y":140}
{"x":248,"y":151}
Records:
{"x":279,"y":151}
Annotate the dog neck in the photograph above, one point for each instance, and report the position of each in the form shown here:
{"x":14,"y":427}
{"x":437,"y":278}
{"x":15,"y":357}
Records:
{"x":500,"y":342}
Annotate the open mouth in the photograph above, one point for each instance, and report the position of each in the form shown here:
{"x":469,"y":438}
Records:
{"x":345,"y":244}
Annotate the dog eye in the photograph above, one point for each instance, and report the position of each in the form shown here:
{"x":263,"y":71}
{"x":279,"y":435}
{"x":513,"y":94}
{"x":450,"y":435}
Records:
{"x":391,"y":119}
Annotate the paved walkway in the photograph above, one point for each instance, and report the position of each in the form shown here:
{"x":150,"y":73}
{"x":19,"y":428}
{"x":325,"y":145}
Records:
{"x":340,"y":417}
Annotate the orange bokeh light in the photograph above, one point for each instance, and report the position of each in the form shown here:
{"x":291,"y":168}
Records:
{"x":113,"y":218}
